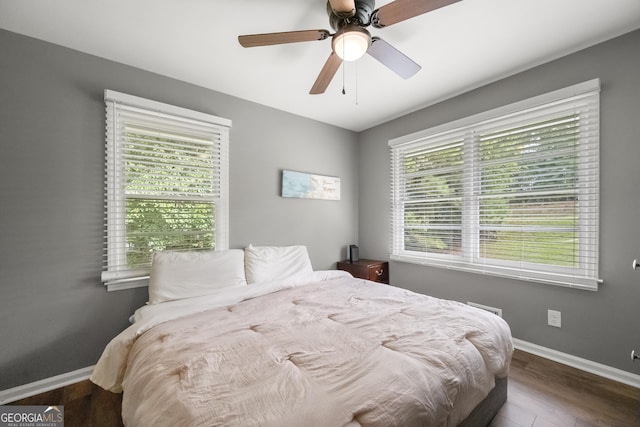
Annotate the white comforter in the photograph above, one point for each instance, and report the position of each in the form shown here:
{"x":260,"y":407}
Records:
{"x":338,"y":352}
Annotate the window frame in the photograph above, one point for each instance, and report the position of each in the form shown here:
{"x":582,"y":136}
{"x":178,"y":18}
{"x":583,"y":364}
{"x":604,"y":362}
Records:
{"x":470,"y":129}
{"x":115,"y":275}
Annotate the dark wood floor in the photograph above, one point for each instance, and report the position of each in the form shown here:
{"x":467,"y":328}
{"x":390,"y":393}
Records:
{"x":85,"y":405}
{"x":542,"y":393}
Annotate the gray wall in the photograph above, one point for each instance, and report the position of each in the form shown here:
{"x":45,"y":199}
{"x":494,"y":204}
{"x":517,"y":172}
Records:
{"x":603,"y":326}
{"x":55,"y":315}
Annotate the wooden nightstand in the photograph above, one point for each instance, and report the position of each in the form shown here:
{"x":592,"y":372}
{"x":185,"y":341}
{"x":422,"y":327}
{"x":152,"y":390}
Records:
{"x":376,"y":271}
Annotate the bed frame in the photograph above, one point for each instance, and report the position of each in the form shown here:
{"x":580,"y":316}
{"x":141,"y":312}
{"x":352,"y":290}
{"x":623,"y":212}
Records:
{"x":489,"y":407}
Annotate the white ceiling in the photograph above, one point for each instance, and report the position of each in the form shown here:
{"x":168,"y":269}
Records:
{"x":460,"y":47}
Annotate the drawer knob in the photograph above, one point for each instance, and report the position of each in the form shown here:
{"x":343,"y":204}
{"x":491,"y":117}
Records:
{"x":379,"y":272}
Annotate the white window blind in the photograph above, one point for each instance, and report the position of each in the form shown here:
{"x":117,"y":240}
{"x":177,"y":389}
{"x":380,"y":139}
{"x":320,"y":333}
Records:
{"x":166,"y":184}
{"x":510,"y":192}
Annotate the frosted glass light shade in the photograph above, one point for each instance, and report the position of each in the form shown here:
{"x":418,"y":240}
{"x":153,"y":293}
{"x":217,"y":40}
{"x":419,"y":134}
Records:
{"x":351,"y":42}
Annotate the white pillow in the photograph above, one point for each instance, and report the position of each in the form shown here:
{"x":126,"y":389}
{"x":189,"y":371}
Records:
{"x":268,"y":263}
{"x":177,"y":275}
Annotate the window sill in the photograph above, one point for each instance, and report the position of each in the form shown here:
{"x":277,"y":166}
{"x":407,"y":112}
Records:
{"x":566,"y":281}
{"x":121,"y":286}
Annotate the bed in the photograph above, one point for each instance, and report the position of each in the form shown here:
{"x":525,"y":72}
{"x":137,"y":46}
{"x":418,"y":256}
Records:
{"x":257,"y":338}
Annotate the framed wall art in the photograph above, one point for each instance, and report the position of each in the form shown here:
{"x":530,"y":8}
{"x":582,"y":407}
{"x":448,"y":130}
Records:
{"x":309,"y":186}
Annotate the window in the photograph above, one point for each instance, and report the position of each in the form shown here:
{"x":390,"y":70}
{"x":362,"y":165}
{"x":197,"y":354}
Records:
{"x":510,"y":192}
{"x":167,"y":184}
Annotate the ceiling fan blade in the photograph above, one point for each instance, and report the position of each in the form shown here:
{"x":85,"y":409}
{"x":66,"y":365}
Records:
{"x":326,"y":74}
{"x":392,"y":58}
{"x":343,"y":7}
{"x":401,"y":10}
{"x":269,"y":39}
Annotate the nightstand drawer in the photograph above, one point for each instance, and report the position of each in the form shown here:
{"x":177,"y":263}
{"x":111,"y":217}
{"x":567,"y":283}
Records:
{"x":376,"y":271}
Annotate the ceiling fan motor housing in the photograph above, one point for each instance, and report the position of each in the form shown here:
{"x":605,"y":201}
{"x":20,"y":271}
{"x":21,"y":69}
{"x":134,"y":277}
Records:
{"x":362,"y":16}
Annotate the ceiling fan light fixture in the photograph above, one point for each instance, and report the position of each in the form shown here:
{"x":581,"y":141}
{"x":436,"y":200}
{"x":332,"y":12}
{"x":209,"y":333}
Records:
{"x":351,"y":42}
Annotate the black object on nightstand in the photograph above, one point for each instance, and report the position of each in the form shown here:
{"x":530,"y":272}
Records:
{"x":376,"y":271}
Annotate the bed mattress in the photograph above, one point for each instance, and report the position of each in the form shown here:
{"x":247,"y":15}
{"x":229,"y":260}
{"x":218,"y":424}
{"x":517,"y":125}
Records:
{"x":338,"y":352}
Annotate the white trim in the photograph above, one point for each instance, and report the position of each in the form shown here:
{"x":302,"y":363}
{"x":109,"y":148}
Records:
{"x":183,"y":126}
{"x":536,"y":101}
{"x":141,"y":282}
{"x":42,"y":386}
{"x":136,"y":101}
{"x":578,"y":107}
{"x":595,"y":368}
{"x":547,"y":278}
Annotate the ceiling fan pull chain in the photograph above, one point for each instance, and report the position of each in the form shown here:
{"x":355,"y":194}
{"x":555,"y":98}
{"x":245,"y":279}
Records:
{"x":344,"y":92}
{"x":357,"y":82}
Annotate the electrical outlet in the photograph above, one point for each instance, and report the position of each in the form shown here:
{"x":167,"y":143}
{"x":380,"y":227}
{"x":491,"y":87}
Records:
{"x":554,"y":318}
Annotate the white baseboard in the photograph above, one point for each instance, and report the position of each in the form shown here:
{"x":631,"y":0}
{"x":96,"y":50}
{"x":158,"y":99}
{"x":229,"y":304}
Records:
{"x":42,"y":386}
{"x":576,"y":362}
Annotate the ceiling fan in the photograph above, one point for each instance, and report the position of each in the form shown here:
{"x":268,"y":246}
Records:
{"x":349,"y":18}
